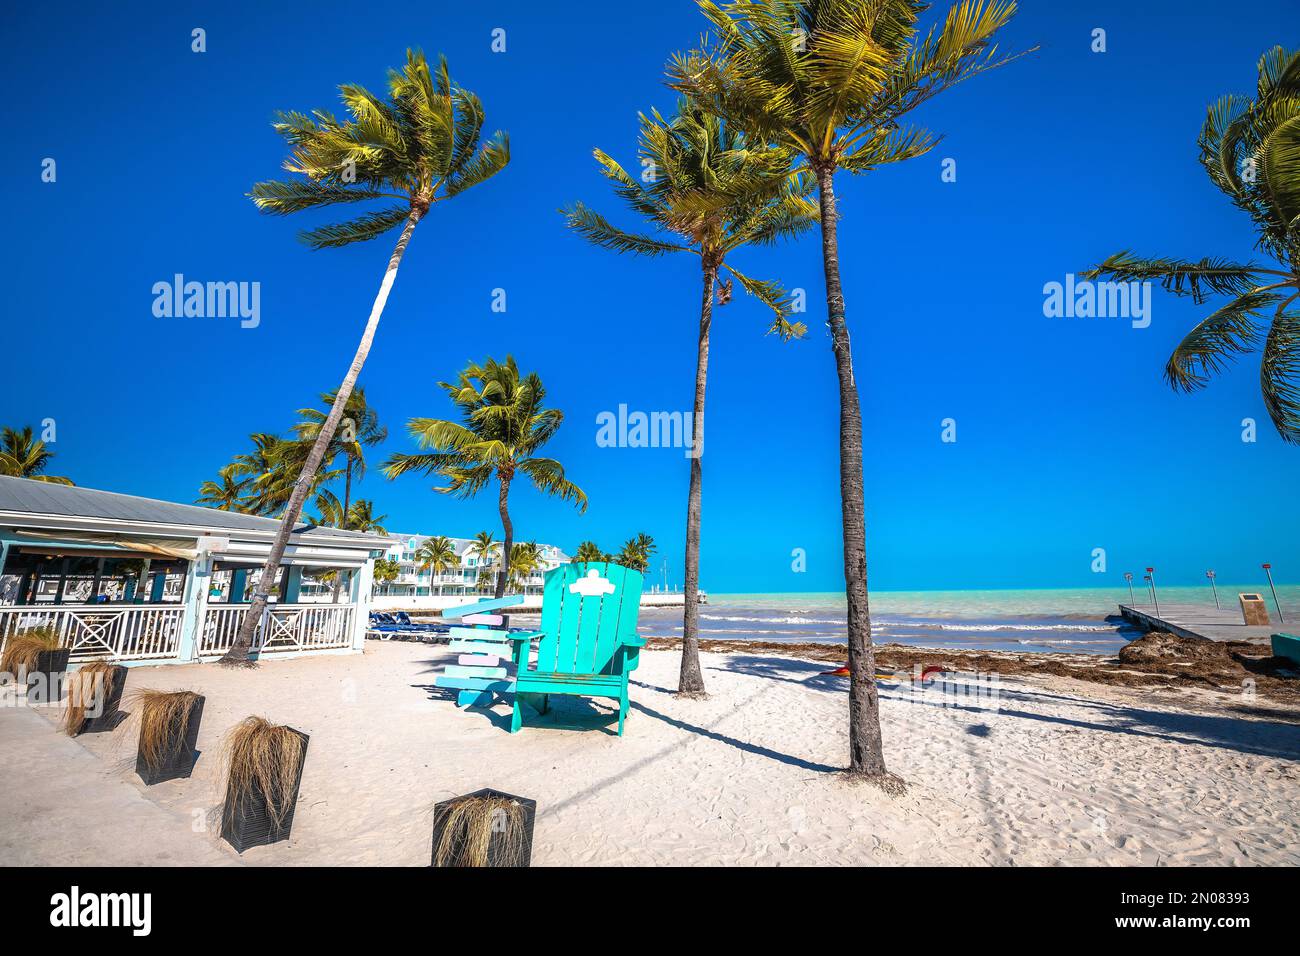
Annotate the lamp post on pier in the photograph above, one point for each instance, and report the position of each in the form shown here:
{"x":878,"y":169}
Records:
{"x":1267,"y":570}
{"x":1128,"y":576}
{"x":1210,"y":574}
{"x":1151,"y":578}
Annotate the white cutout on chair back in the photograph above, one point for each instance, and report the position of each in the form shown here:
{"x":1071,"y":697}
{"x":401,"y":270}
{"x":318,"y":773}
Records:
{"x":593,"y":585}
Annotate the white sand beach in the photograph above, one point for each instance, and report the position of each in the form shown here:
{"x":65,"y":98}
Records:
{"x":1060,"y":772}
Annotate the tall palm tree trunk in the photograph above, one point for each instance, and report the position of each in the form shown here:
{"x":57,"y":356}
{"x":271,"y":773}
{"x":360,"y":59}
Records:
{"x":690,"y":682}
{"x":509,"y":540}
{"x":238,"y":653}
{"x":866,"y":753}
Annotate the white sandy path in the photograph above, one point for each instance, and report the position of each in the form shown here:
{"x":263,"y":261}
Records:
{"x":745,"y":777}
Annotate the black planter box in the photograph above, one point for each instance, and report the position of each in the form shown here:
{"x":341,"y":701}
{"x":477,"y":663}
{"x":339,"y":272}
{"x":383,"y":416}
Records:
{"x":45,"y":680}
{"x":496,"y":854}
{"x":248,"y":823}
{"x":112,"y":698}
{"x":178,"y":760}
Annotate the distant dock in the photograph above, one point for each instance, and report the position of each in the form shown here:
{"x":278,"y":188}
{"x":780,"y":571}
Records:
{"x":1194,"y":620}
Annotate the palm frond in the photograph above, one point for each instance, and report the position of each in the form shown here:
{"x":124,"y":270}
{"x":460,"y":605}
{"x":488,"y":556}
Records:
{"x":1209,"y":347}
{"x":1179,"y":276}
{"x":365,"y":227}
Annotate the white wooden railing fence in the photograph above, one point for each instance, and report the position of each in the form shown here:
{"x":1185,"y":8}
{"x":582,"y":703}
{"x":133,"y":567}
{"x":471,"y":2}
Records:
{"x":90,"y":630}
{"x":284,"y":627}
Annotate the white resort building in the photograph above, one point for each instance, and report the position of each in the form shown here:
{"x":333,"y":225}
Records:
{"x":132,"y":579}
{"x":414,"y":581}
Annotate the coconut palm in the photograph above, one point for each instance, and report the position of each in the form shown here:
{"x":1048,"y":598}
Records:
{"x":23,"y":456}
{"x":227,"y":493}
{"x":589,"y":551}
{"x":484,"y":549}
{"x":832,"y":80}
{"x":419,"y":147}
{"x":358,"y":429}
{"x":502,"y":424}
{"x":271,"y":472}
{"x":711,"y":193}
{"x":525,"y":558}
{"x":437,"y":554}
{"x":362,"y":517}
{"x":1251,"y":151}
{"x":636,"y":555}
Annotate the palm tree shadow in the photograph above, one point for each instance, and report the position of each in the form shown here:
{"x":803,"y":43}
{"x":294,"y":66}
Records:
{"x":1264,"y":738}
{"x":747,"y":747}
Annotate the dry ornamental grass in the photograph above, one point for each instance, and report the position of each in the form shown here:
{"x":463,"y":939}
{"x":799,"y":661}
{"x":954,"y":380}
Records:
{"x":262,"y":758}
{"x":21,"y":650}
{"x":164,"y":721}
{"x":87,"y":694}
{"x":470,"y":825}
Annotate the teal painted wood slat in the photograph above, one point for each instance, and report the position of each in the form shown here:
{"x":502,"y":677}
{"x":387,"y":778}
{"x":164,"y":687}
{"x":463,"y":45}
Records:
{"x":603,"y":656}
{"x":473,"y":670}
{"x":498,"y":648}
{"x":552,"y":599}
{"x":478,"y":633}
{"x":481,"y":607}
{"x":570,"y":615}
{"x":474,"y":683}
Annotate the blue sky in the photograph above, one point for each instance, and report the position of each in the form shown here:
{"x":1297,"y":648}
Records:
{"x":1068,"y":440}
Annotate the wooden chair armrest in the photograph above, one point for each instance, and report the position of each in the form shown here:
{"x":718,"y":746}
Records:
{"x":634,"y":641}
{"x":523,"y":635}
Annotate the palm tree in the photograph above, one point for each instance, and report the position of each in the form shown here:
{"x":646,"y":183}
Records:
{"x":387,"y":570}
{"x":359,"y":428}
{"x":271,"y":471}
{"x":502,"y":424}
{"x":362,"y":517}
{"x":437,"y":554}
{"x":1251,"y":151}
{"x":525,"y":558}
{"x":418,"y":148}
{"x":636,"y":555}
{"x":712,"y":193}
{"x":589,"y":551}
{"x":228,"y":493}
{"x":831,"y":80}
{"x":23,"y":456}
{"x":484,"y":549}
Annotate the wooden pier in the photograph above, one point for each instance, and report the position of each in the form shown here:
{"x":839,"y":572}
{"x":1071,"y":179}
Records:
{"x":1196,"y":620}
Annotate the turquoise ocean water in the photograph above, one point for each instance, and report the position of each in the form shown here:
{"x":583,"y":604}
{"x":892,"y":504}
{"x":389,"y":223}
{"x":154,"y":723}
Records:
{"x":1080,"y":620}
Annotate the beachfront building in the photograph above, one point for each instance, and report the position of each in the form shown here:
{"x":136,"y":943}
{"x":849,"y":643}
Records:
{"x":134,"y":580}
{"x":414,"y":581}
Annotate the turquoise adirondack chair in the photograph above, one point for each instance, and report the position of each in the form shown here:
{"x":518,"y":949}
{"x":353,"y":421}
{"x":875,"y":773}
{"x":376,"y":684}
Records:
{"x":588,"y":642}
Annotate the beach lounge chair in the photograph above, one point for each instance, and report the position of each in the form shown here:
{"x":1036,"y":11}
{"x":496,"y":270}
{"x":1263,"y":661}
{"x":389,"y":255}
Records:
{"x":587,"y":645}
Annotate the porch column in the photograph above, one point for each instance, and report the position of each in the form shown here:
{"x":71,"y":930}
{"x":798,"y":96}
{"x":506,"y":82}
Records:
{"x":159,"y":587}
{"x":195,"y":601}
{"x":292,"y":584}
{"x":142,"y":584}
{"x":359,"y":594}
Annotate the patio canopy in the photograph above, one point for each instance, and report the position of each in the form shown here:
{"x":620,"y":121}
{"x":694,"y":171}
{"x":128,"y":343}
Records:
{"x":38,"y":516}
